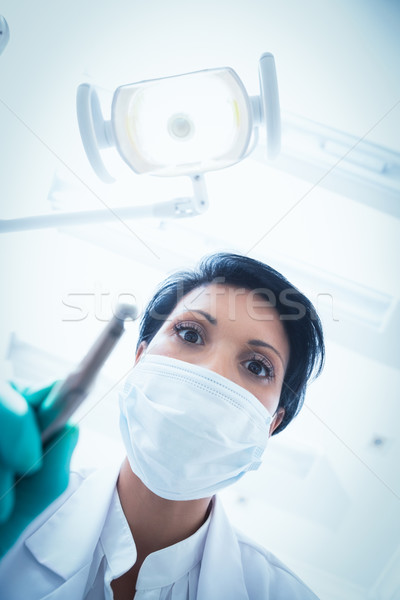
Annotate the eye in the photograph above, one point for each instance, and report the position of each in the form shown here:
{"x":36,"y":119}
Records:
{"x":259,"y":367}
{"x":191,"y":333}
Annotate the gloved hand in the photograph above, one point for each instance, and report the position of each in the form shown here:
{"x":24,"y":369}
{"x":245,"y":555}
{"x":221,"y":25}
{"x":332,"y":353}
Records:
{"x":31,"y":477}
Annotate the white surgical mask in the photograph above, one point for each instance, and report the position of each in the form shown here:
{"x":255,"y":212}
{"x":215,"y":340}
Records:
{"x":188,"y":431}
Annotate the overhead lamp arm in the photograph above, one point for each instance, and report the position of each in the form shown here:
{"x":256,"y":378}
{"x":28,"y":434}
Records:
{"x":172,"y":209}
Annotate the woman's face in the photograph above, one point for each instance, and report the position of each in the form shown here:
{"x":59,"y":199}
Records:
{"x":233,"y":332}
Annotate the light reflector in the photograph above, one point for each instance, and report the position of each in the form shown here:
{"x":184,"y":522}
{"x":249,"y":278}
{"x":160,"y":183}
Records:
{"x":195,"y":122}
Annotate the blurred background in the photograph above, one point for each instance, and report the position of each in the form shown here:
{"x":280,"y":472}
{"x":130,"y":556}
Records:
{"x":327,"y":499}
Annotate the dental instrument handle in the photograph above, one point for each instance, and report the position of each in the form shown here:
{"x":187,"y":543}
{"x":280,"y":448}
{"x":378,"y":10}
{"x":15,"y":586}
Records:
{"x":68,"y":395}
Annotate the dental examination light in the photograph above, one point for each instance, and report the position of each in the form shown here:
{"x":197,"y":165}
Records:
{"x":182,"y":125}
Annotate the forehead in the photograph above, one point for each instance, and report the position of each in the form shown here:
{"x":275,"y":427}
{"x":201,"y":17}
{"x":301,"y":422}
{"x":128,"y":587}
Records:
{"x":234,"y":303}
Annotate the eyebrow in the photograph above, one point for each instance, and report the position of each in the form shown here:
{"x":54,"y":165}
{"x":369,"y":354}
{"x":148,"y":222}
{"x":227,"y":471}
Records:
{"x":265,"y":345}
{"x":205,"y":314}
{"x":259,"y":343}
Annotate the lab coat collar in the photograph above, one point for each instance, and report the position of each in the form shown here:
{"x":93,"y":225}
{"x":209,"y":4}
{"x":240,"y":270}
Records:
{"x":122,"y":555}
{"x":221,"y":573}
{"x":166,"y":566}
{"x":66,"y":528}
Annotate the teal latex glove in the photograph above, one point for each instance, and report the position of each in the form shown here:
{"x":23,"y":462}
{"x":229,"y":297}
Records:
{"x":31,"y":477}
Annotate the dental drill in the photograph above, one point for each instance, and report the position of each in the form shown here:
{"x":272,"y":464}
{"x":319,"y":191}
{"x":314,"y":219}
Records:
{"x":68,"y":395}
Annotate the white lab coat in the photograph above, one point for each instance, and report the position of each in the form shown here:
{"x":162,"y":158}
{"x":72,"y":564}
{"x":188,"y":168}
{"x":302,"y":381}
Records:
{"x":61,"y":554}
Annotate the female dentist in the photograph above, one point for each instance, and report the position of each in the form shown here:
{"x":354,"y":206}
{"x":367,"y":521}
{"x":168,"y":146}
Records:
{"x":222,"y":362}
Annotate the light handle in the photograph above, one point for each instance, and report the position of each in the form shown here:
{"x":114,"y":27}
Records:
{"x":4,"y":33}
{"x":95,"y":131}
{"x":265,"y":107}
{"x":270,"y":103}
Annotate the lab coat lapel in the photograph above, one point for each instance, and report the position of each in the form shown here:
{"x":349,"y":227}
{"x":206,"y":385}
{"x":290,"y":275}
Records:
{"x":72,"y":588}
{"x":66,"y":541}
{"x":221,"y":573}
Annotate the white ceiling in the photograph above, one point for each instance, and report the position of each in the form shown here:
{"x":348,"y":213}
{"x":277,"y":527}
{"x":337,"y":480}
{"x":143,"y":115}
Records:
{"x":327,"y":499}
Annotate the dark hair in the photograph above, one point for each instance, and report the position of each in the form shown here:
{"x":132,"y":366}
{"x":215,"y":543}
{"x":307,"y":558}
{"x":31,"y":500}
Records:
{"x":298,"y":316}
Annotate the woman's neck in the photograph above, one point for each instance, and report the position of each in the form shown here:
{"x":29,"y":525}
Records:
{"x":156,"y":523}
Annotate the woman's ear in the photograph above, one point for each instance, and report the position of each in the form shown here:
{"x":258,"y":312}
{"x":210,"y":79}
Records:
{"x":142,"y":347}
{"x":277,"y":420}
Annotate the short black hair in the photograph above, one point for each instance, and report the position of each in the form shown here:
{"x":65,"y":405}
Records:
{"x":298,"y":315}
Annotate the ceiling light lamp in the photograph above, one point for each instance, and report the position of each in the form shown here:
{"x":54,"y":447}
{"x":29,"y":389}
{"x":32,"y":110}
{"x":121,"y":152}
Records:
{"x":182,"y":125}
